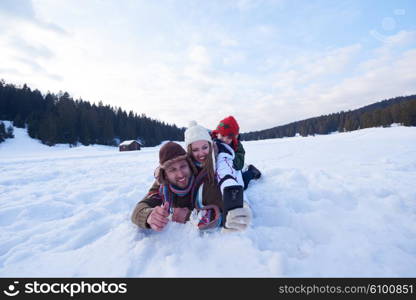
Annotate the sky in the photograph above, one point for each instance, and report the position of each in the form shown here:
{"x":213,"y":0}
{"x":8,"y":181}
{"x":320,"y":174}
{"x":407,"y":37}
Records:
{"x":266,"y":62}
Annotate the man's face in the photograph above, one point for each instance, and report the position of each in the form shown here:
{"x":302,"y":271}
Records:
{"x":179,"y":173}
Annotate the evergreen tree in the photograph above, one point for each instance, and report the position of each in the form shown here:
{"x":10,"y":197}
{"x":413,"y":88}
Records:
{"x":9,"y":132}
{"x":2,"y":132}
{"x":48,"y":130}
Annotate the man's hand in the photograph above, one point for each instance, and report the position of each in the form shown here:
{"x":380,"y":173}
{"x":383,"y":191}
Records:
{"x":180,"y":214}
{"x":158,"y":218}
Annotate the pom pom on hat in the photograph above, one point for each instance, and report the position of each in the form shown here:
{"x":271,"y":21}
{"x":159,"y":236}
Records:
{"x":192,"y":124}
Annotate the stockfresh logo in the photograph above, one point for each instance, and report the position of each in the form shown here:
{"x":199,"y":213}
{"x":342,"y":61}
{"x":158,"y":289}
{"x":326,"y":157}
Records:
{"x":11,"y":289}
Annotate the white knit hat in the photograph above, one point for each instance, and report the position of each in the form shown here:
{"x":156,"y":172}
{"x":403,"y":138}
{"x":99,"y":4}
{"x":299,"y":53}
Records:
{"x":196,"y":132}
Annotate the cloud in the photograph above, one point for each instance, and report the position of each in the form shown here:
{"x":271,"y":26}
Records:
{"x":385,"y":79}
{"x":26,"y":47}
{"x":400,"y":38}
{"x":339,"y":79}
{"x":23,"y":10}
{"x":308,"y":68}
{"x":9,"y":71}
{"x":380,"y":77}
{"x":403,"y":37}
{"x":32,"y":49}
{"x":199,"y":56}
{"x":36,"y":68}
{"x":51,"y":27}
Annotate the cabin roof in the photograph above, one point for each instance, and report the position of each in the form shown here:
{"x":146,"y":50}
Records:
{"x":126,"y":143}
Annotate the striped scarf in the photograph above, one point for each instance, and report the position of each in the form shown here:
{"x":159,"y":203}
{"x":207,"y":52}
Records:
{"x":198,"y":164}
{"x":205,"y":225}
{"x":167,"y":192}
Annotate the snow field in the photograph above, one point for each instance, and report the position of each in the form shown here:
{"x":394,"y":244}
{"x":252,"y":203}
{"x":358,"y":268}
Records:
{"x":340,"y":205}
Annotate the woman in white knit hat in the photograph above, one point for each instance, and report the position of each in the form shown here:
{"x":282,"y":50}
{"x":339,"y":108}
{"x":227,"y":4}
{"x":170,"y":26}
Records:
{"x":201,"y":149}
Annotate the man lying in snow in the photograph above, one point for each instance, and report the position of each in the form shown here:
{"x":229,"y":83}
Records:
{"x":178,"y":187}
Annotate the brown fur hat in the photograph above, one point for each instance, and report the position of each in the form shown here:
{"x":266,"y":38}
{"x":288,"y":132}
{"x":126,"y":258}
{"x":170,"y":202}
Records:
{"x":170,"y":153}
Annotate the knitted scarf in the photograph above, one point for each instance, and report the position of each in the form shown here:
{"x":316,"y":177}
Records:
{"x":197,"y":201}
{"x":167,"y":192}
{"x":197,"y":163}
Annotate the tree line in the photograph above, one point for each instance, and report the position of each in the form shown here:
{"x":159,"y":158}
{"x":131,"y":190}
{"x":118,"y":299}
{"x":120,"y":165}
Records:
{"x":57,"y":118}
{"x":401,"y":110}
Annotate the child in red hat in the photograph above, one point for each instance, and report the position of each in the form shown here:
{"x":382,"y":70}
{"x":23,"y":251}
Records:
{"x":227,"y":132}
{"x":230,"y":161}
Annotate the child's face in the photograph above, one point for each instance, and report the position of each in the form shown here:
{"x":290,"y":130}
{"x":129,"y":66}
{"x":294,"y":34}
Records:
{"x":224,"y":139}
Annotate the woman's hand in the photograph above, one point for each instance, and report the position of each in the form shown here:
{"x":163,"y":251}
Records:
{"x":180,"y":214}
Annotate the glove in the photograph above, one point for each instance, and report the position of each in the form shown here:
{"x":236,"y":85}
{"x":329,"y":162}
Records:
{"x":238,"y":219}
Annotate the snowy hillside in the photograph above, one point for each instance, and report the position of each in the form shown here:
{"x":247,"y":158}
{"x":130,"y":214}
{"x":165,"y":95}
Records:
{"x":341,"y":205}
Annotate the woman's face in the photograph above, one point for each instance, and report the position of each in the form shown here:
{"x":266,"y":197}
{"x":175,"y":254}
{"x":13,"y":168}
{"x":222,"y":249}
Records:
{"x":200,"y":150}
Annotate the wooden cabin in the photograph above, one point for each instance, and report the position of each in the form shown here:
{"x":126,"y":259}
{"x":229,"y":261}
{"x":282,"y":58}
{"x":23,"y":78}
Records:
{"x":129,"y":146}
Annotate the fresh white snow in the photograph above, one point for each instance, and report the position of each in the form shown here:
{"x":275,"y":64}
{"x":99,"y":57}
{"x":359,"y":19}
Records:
{"x":339,"y":205}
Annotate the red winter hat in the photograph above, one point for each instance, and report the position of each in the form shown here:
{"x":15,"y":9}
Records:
{"x":228,"y":127}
